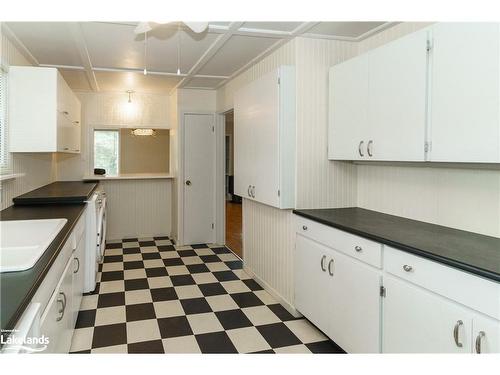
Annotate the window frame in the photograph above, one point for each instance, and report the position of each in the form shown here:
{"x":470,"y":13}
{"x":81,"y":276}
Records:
{"x":102,"y":128}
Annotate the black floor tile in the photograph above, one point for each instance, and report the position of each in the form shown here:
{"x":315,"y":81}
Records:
{"x":225,"y":275}
{"x":113,"y":258}
{"x":112,"y":276}
{"x":111,"y":299}
{"x":134,"y":265}
{"x":146,"y":347}
{"x":132,"y":250}
{"x":155,"y":272}
{"x":217,"y":342}
{"x":252,"y":284}
{"x":212,"y":289}
{"x":174,"y":327}
{"x":108,"y":335}
{"x":195,"y":306}
{"x":86,"y":318}
{"x":173,"y":262}
{"x":235,"y":264}
{"x":141,"y":311}
{"x":146,"y":243}
{"x":117,"y":245}
{"x":278,"y":335}
{"x":163,"y":294}
{"x":246,"y":299}
{"x":199,"y":246}
{"x":179,"y":280}
{"x":269,"y":351}
{"x":166,"y":248}
{"x":210,"y":258}
{"x":221,"y":250}
{"x":325,"y":347}
{"x":81,"y":352}
{"x":232,"y":319}
{"x":197,"y":268}
{"x":130,"y":240}
{"x":281,"y":312}
{"x":187,"y":253}
{"x":146,"y":256}
{"x":136,"y":284}
{"x":161,"y":238}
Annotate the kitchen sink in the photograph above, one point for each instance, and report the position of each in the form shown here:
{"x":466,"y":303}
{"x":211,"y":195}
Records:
{"x":23,"y":242}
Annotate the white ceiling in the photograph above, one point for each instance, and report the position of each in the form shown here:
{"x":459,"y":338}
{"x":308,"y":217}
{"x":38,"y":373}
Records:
{"x":108,"y":56}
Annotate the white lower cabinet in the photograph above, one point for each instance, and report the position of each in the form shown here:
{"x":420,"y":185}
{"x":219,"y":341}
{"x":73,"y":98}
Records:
{"x":418,"y":321}
{"x":78,"y":260}
{"x":339,"y":294}
{"x":485,"y":334}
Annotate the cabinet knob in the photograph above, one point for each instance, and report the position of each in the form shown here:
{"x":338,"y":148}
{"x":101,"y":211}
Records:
{"x":407,"y":268}
{"x":456,"y":333}
{"x":361,"y":153}
{"x":358,"y":249}
{"x":304,"y":227}
{"x":479,"y":338}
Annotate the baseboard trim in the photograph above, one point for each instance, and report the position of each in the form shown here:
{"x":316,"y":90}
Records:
{"x":287,"y":305}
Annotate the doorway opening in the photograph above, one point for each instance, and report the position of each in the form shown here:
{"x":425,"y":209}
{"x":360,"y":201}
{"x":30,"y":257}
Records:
{"x":233,"y":202}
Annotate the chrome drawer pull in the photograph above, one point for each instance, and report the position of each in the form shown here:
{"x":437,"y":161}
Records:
{"x":479,"y":337}
{"x":330,"y":263}
{"x":323,"y":263}
{"x":407,"y":268}
{"x":455,"y":333}
{"x":358,"y":249}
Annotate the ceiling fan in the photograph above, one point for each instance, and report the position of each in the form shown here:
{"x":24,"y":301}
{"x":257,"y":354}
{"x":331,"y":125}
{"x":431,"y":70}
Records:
{"x":144,"y":27}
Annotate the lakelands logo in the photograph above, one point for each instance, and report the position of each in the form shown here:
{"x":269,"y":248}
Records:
{"x":24,"y":344}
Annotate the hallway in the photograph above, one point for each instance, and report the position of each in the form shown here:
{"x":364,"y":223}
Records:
{"x":234,"y":225}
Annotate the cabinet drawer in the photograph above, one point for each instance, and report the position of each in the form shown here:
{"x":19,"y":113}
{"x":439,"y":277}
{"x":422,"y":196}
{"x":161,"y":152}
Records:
{"x":473,"y":291}
{"x":357,"y":247}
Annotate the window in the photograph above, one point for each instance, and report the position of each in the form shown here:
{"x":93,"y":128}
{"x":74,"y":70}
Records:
{"x":106,"y":150}
{"x":5,"y":166}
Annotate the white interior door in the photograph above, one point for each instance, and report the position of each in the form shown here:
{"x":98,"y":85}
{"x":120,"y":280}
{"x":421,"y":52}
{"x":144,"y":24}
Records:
{"x":199,"y":178}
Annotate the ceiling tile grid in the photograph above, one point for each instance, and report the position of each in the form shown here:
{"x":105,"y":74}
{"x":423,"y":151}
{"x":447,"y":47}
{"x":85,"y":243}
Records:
{"x":108,"y":55}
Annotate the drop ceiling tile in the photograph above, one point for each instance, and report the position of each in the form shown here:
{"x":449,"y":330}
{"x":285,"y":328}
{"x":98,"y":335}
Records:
{"x":277,"y":26}
{"x":76,"y":79}
{"x":202,"y":82}
{"x":344,"y":29}
{"x":49,"y":42}
{"x":123,"y":81}
{"x":237,"y":51}
{"x":116,"y":45}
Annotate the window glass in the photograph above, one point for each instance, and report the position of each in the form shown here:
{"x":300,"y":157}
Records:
{"x":106,"y":151}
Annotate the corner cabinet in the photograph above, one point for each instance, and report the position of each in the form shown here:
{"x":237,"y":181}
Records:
{"x":264,"y":139}
{"x":431,"y":95}
{"x":44,"y":114}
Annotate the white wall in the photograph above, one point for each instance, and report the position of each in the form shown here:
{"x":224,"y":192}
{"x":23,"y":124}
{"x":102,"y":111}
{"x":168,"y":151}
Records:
{"x":38,"y":168}
{"x":467,"y":199}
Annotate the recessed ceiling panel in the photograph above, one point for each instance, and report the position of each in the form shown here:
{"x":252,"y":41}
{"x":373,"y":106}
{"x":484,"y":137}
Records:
{"x":76,"y":79}
{"x":344,"y":29}
{"x":202,"y":82}
{"x":276,"y":26}
{"x":49,"y":42}
{"x":116,"y":45}
{"x":123,"y":81}
{"x":237,"y":51}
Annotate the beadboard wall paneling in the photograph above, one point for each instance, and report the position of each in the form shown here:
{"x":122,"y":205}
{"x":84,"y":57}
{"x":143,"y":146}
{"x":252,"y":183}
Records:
{"x":38,"y":168}
{"x":268,"y":233}
{"x":138,"y":208}
{"x":465,"y":199}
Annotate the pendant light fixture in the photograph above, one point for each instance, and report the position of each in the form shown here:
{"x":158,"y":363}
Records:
{"x":145,"y":52}
{"x":130,"y":92}
{"x":179,"y":49}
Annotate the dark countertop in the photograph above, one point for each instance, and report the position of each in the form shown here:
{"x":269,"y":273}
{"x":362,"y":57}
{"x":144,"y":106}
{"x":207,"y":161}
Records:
{"x":58,"y":192}
{"x":471,"y":252}
{"x":18,"y":288}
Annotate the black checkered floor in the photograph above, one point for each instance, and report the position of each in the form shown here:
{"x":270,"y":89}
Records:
{"x":154,"y":297}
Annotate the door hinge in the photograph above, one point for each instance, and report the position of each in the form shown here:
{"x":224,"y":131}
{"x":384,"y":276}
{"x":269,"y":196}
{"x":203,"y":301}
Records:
{"x":382,"y":291}
{"x":279,"y":80}
{"x":428,"y":45}
{"x":278,"y":192}
{"x":213,"y":129}
{"x":213,"y":225}
{"x":427,"y":146}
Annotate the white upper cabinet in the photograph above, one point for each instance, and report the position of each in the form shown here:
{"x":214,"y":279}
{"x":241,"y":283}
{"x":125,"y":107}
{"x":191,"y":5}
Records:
{"x":432,"y":95}
{"x":44,"y":114}
{"x":264,"y":139}
{"x":465,"y":101}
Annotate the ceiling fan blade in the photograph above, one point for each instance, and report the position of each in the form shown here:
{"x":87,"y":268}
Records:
{"x":197,"y":27}
{"x":143,"y":27}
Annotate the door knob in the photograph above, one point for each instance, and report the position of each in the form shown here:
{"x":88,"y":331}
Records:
{"x":188,"y":182}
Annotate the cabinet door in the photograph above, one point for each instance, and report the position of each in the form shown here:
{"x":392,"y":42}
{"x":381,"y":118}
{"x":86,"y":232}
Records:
{"x":485,"y":334}
{"x":312,"y":282}
{"x":244,"y":148}
{"x":348,"y":120}
{"x":355,"y":305}
{"x":397,"y":99}
{"x":418,"y":321}
{"x":465,"y":93}
{"x":57,"y":320}
{"x":78,"y":271}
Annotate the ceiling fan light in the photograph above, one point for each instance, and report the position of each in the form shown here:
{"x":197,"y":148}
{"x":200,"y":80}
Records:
{"x":143,"y":132}
{"x":145,"y":71}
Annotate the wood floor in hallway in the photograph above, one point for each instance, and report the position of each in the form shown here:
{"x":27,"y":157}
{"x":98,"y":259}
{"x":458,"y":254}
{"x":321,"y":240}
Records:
{"x":234,"y":237}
